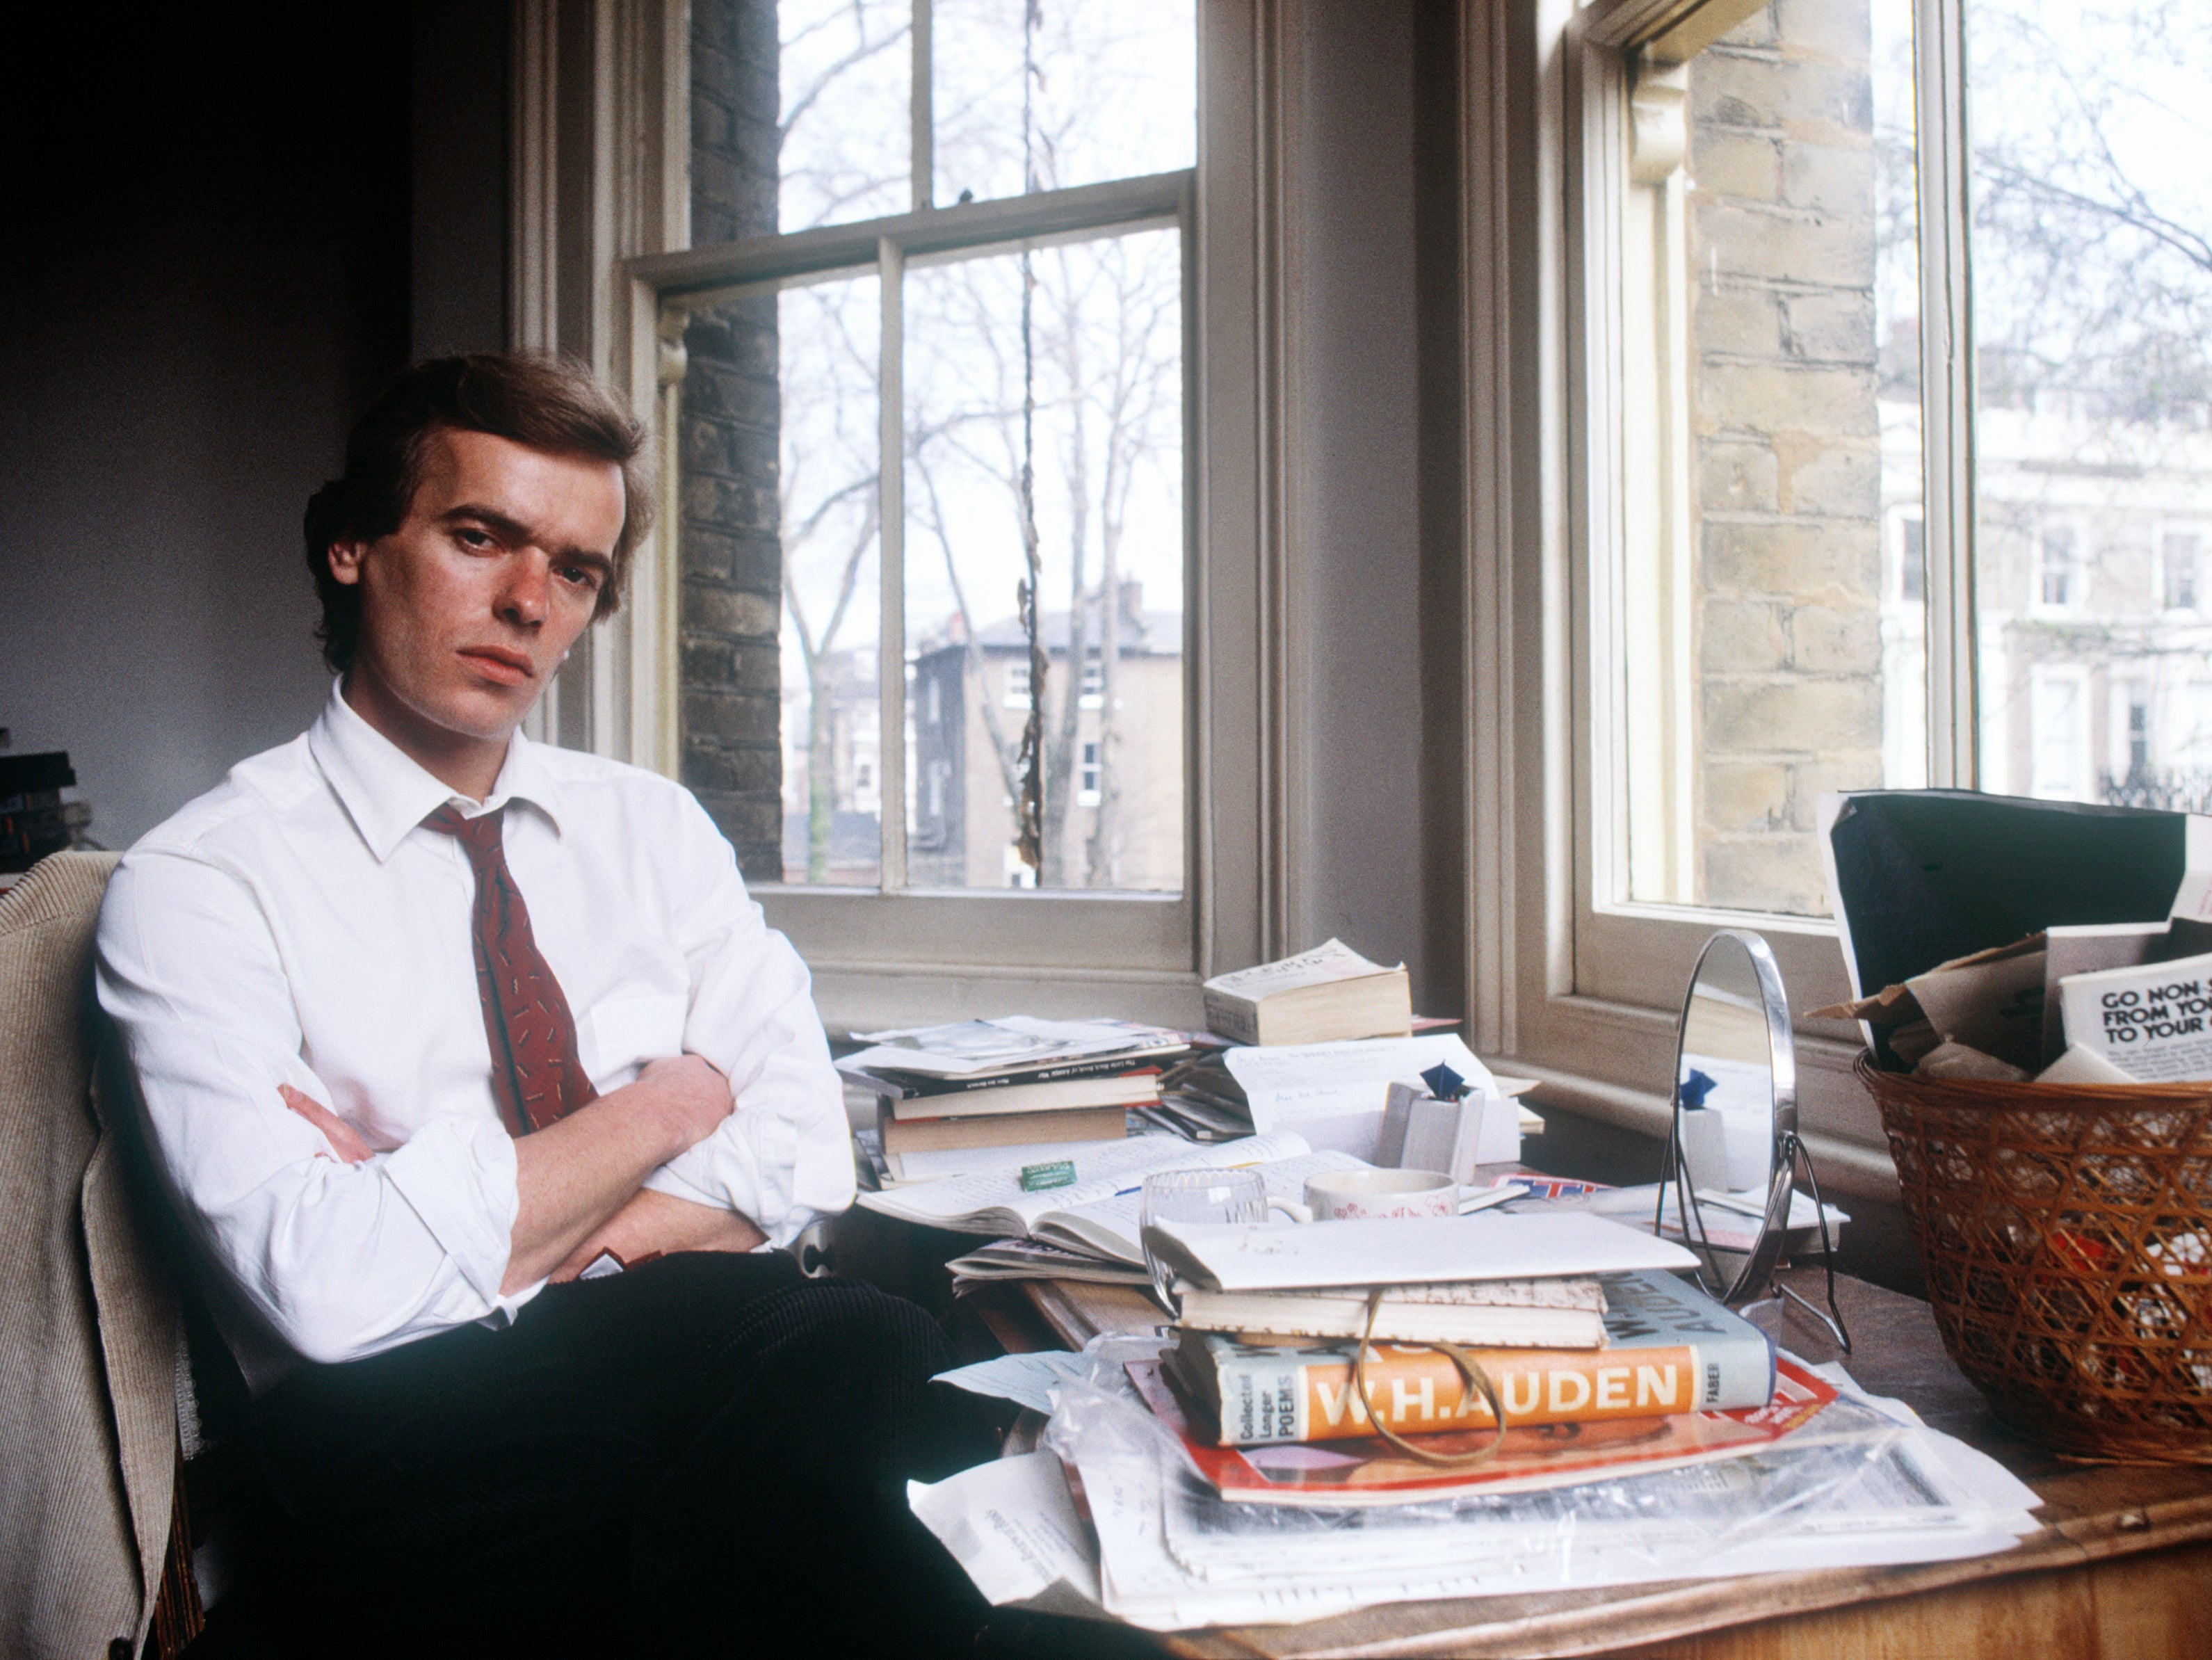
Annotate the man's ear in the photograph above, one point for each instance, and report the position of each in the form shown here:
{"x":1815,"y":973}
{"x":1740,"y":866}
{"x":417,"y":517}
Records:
{"x":345,"y":559}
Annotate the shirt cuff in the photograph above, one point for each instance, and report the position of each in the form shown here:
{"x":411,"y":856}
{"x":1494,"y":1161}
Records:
{"x":459,"y":1175}
{"x":748,"y":1165}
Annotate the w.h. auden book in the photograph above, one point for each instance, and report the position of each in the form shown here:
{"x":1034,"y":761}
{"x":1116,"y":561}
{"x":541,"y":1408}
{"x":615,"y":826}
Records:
{"x":1670,"y":1349}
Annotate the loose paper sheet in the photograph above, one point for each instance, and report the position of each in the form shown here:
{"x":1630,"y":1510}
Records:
{"x":1027,"y":1379}
{"x":1427,"y":1250}
{"x":1012,"y":1526}
{"x":1333,"y":1093}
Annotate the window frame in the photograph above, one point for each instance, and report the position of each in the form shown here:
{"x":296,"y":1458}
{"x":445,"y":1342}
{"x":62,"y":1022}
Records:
{"x":1135,"y":931}
{"x":605,"y":112}
{"x":2067,"y":535}
{"x":1576,"y":984}
{"x":2187,"y":531}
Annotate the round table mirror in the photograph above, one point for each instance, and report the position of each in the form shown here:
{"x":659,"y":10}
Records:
{"x":1733,"y":1156}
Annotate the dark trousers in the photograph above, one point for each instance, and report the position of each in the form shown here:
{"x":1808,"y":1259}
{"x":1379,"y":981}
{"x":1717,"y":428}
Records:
{"x":705,"y":1455}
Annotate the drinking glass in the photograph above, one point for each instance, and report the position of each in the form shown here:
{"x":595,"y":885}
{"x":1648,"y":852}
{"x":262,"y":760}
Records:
{"x":1197,"y":1195}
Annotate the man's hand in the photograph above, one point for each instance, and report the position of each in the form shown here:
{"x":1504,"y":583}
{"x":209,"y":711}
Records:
{"x":572,"y":1178}
{"x":657,"y":1224}
{"x":686,"y":1094}
{"x":345,"y":1140}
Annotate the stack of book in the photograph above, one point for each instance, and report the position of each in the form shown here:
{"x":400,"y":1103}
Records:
{"x":1604,"y":1362}
{"x":34,"y":820}
{"x":1003,"y":1094}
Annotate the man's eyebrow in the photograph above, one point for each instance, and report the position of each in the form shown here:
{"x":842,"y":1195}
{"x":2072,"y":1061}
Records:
{"x":510,"y":529}
{"x":513,"y":530}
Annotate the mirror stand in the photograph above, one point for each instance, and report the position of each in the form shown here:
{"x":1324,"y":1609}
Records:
{"x":1735,"y":1042}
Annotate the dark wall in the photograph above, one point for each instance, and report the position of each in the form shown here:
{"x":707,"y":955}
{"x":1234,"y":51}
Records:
{"x":208,"y":266}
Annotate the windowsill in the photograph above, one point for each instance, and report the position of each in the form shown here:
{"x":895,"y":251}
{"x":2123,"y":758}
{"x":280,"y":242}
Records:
{"x":1846,"y":1167}
{"x":877,"y":996}
{"x":1713,"y":916}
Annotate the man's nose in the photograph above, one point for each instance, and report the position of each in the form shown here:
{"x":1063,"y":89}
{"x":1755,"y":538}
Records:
{"x":526,"y":595}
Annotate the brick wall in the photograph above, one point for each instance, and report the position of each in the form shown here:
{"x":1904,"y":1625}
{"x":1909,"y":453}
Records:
{"x":732,"y":557}
{"x":1787,"y":485}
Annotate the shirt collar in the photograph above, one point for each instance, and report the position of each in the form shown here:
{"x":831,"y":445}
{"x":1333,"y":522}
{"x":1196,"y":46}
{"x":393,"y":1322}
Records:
{"x":388,"y":793}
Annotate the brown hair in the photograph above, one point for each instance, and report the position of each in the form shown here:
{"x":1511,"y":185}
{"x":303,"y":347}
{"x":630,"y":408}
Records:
{"x":544,"y":402}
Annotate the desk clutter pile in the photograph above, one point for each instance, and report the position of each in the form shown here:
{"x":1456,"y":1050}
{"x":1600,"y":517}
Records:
{"x":34,"y":820}
{"x":1318,"y":1428}
{"x":1224,"y":1474}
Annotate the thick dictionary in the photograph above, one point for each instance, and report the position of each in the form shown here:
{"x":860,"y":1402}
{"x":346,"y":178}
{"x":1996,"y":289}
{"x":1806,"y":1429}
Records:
{"x":1670,"y":1349}
{"x":1330,"y":992}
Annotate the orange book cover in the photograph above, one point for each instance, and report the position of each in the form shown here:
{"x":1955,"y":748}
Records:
{"x":1419,"y":1391}
{"x":1369,"y":1471}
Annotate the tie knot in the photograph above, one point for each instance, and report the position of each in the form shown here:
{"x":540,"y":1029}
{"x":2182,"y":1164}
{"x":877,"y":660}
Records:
{"x":479,"y":836}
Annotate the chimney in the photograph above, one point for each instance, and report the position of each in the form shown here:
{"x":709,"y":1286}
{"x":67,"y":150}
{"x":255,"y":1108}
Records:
{"x":1133,"y":604}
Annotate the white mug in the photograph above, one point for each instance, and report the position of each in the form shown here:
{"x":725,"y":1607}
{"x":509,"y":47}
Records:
{"x":1355,"y":1195}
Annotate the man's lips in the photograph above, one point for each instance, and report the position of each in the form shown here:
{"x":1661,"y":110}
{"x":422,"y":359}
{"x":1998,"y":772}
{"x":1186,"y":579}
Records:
{"x":509,"y":668}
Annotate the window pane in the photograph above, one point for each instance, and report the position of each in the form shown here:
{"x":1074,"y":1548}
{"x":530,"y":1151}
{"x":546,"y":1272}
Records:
{"x":828,"y":512}
{"x":2092,"y":293}
{"x":1103,"y":343}
{"x":1770,"y":604}
{"x":844,"y":134}
{"x":781,"y":584}
{"x":1113,"y":91}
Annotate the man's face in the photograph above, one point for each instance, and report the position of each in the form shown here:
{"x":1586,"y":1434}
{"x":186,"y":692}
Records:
{"x":472,"y":603}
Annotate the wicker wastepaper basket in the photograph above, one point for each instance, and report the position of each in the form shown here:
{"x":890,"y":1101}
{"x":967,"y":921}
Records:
{"x":2066,"y":1232}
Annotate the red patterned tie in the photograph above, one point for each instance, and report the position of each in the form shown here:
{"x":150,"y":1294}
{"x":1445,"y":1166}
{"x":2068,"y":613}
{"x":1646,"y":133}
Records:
{"x":536,"y":1075}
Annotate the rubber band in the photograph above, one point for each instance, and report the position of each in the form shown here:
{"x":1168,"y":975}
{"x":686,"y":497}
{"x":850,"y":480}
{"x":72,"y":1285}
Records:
{"x":1471,"y":1372}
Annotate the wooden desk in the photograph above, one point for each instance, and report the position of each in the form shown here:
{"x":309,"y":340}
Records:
{"x":2121,"y":1570}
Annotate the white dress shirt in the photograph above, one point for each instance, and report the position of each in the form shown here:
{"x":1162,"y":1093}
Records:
{"x":297,"y":925}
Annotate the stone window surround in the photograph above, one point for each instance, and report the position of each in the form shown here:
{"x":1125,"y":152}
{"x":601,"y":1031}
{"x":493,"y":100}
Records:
{"x":1571,"y":984}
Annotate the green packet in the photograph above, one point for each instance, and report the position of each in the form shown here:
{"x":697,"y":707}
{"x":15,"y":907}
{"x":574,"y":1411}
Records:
{"x":1035,"y":1178}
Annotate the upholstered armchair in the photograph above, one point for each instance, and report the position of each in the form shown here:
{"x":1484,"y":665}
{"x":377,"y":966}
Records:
{"x":94,"y":1549}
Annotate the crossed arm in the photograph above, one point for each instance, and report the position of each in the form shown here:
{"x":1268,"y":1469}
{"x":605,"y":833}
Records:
{"x":579,"y":1182}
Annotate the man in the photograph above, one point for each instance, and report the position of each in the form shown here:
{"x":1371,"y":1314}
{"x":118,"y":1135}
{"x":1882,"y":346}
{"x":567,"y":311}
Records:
{"x":479,"y":1080}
